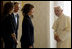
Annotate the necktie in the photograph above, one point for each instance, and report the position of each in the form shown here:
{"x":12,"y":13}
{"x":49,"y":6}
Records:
{"x":16,"y":18}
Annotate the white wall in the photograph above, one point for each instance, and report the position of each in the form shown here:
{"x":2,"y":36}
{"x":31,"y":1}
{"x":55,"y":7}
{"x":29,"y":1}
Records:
{"x":53,"y":43}
{"x":67,"y":8}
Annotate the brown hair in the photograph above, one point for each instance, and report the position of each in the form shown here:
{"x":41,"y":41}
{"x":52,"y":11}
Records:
{"x":7,"y":8}
{"x":16,"y":3}
{"x":26,"y":8}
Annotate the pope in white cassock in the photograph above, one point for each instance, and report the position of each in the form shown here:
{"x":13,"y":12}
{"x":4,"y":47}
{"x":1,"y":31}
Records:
{"x":62,"y":29}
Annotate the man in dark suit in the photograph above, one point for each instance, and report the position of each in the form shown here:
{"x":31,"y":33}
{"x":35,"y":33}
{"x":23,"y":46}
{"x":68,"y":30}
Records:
{"x":16,"y":18}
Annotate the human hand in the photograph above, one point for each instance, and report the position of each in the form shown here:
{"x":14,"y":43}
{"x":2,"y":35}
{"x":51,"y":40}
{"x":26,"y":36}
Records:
{"x":30,"y":47}
{"x":57,"y":38}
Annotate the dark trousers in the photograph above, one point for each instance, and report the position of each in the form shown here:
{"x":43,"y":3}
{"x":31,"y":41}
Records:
{"x":8,"y":44}
{"x":15,"y":45}
{"x":25,"y":46}
{"x":0,"y":42}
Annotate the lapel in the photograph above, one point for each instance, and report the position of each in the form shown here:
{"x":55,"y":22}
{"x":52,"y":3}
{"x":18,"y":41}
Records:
{"x":17,"y":20}
{"x":14,"y":19}
{"x":29,"y":20}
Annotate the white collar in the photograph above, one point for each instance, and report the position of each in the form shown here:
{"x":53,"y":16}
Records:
{"x":15,"y":13}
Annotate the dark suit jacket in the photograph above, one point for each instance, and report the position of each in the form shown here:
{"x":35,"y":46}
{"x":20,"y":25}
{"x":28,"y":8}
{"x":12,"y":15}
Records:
{"x":27,"y":38}
{"x":16,"y":25}
{"x":8,"y":27}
